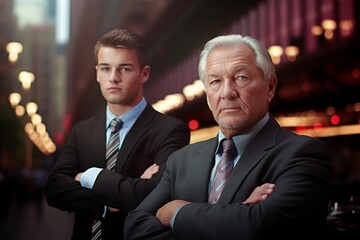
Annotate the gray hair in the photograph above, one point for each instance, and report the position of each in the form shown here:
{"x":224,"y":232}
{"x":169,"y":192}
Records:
{"x":262,"y":56}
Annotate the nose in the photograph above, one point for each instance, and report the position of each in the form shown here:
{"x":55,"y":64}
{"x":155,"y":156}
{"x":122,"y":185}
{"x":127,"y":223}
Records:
{"x":114,"y":76}
{"x":229,"y":89}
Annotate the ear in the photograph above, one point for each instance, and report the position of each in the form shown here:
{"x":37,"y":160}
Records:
{"x":272,"y":87}
{"x":97,"y":76}
{"x":145,"y":74}
{"x":207,"y":101}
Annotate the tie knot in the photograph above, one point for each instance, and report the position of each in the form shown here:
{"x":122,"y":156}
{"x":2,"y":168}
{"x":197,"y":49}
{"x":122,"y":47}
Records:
{"x":229,"y":146}
{"x":116,"y":124}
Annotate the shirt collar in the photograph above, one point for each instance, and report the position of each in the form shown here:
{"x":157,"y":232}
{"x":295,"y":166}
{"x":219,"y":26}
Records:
{"x":242,"y":140}
{"x":129,"y":117}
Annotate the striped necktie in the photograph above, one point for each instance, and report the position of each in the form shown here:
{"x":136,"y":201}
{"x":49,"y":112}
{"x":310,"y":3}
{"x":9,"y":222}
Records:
{"x":223,"y":170}
{"x":112,"y":147}
{"x":112,"y":150}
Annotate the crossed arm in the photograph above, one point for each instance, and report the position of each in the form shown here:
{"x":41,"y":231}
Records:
{"x":147,"y":174}
{"x":166,"y":212}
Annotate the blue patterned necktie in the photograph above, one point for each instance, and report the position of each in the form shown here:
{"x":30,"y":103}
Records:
{"x":223,"y":170}
{"x":112,"y":150}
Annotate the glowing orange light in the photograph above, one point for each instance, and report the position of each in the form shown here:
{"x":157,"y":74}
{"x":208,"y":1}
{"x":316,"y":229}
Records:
{"x":317,"y":125}
{"x":335,"y":119}
{"x":193,"y":124}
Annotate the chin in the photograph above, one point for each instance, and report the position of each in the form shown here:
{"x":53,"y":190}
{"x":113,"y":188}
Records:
{"x":230,"y":124}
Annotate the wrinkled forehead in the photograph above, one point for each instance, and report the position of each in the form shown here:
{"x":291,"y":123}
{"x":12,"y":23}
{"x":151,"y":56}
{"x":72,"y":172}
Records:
{"x":229,"y":55}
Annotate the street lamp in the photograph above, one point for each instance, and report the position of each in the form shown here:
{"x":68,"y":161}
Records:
{"x":31,"y":108}
{"x":26,"y":78}
{"x":329,"y":27}
{"x":36,"y":119}
{"x":19,"y":110}
{"x":14,"y":49}
{"x":14,"y":99}
{"x":291,"y":52}
{"x":276,"y":52}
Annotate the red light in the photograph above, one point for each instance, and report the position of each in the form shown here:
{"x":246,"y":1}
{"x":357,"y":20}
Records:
{"x":59,"y":138}
{"x":193,"y":124}
{"x":335,"y":119}
{"x":67,"y":122}
{"x":317,"y":125}
{"x":299,"y":128}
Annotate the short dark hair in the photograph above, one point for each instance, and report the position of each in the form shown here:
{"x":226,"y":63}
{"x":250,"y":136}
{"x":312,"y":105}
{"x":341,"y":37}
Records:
{"x":122,"y":38}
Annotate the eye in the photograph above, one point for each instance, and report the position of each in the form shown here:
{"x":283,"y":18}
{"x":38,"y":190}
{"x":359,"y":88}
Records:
{"x":241,"y":77}
{"x":242,"y":80}
{"x":214,"y":84}
{"x":125,"y":69}
{"x":104,"y":68}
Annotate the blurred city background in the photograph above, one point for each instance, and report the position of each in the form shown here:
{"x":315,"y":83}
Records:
{"x":47,"y":83}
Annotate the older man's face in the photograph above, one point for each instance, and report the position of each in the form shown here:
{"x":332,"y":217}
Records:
{"x":237,"y":93}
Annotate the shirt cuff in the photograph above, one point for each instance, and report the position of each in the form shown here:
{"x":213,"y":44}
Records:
{"x":88,"y":178}
{"x":105,"y":210}
{"x":172,"y":220}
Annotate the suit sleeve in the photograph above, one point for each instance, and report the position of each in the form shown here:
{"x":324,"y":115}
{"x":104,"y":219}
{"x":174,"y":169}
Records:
{"x":125,"y":191}
{"x":141,"y":223}
{"x":62,"y":190}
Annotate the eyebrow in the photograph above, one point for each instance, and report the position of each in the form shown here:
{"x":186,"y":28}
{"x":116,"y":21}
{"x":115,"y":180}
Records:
{"x":233,"y":70}
{"x":213,"y":75}
{"x":120,"y":65}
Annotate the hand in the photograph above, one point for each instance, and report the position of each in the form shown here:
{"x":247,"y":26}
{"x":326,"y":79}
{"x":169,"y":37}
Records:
{"x":150,"y":171}
{"x":260,"y":193}
{"x":78,"y":176}
{"x":111,"y":209}
{"x":166,"y":212}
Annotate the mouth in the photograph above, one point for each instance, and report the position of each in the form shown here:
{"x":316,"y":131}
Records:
{"x":113,"y":88}
{"x":230,"y":110}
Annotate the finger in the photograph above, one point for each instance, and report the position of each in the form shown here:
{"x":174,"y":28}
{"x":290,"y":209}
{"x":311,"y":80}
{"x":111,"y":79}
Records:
{"x":260,"y":193}
{"x":111,"y":209}
{"x":268,"y":186}
{"x":269,"y":191}
{"x":253,"y":199}
{"x":155,"y":169}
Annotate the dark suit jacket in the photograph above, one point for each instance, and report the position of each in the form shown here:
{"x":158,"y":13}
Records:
{"x":299,"y":166}
{"x":152,"y":139}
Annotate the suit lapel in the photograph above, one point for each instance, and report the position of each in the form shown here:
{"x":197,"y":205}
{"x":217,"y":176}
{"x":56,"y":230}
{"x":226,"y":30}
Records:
{"x":98,"y":138}
{"x":140,"y":127}
{"x":253,"y":154}
{"x":201,"y":169}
